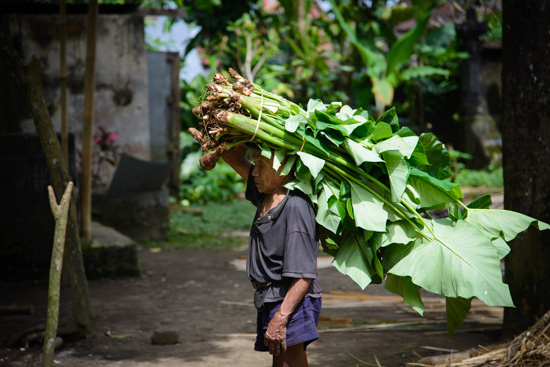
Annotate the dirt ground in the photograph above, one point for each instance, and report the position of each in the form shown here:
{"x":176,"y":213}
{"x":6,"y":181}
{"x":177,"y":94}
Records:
{"x":206,"y":297}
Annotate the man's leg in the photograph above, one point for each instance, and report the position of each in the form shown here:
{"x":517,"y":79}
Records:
{"x":295,"y":356}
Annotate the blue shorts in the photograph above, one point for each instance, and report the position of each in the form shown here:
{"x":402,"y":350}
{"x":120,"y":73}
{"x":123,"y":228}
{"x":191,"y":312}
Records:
{"x":301,"y":327}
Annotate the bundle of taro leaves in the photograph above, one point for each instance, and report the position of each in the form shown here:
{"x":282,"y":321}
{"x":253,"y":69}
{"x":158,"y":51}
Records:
{"x":373,"y":184}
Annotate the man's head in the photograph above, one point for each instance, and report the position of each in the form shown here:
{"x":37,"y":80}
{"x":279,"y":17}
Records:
{"x":268,"y":180}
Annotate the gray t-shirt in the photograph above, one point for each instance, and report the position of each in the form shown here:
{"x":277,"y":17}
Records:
{"x":283,"y":243}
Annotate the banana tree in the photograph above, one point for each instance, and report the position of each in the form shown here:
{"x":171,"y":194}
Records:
{"x":387,"y":70}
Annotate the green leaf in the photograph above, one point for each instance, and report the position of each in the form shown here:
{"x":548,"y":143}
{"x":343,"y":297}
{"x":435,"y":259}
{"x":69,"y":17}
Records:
{"x":398,"y":170}
{"x":334,"y":136}
{"x":404,"y":145}
{"x":304,"y":186}
{"x":390,"y":117}
{"x":410,"y":292}
{"x":400,"y":232}
{"x":482,"y":202}
{"x":325,"y":216}
{"x":359,"y":153}
{"x":457,"y":310}
{"x":349,"y":209}
{"x":369,"y":210}
{"x":424,"y":71}
{"x":438,"y":157}
{"x":315,"y":105}
{"x":501,"y":246}
{"x":345,"y":189}
{"x":419,"y":157}
{"x":459,"y":261}
{"x":505,"y":223}
{"x":278,"y":158}
{"x":381,"y":131}
{"x":433,"y":193}
{"x":314,"y":164}
{"x":292,"y":123}
{"x":288,"y":165}
{"x":351,"y":261}
{"x":403,"y":48}
{"x":266,"y":151}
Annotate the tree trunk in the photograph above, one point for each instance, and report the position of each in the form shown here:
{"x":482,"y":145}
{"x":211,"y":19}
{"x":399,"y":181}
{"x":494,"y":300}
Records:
{"x":30,"y":80}
{"x":63,"y":79}
{"x":87,"y":129}
{"x":526,"y":155}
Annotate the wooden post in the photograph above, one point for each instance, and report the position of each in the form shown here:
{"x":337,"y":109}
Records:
{"x":63,"y":80}
{"x":88,"y":124}
{"x":60,"y":213}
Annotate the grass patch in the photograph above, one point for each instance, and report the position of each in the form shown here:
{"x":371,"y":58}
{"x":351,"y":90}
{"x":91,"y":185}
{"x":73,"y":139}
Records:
{"x":208,"y":225}
{"x":490,"y":177}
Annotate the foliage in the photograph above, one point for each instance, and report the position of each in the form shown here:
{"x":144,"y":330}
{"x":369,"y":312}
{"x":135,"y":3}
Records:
{"x":208,"y":225}
{"x":388,"y":61}
{"x":494,"y":21}
{"x":370,"y":180}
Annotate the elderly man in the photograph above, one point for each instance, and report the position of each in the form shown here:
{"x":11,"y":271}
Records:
{"x":282,"y":260}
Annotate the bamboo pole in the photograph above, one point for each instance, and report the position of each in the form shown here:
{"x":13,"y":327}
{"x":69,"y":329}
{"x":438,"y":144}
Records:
{"x":60,"y":213}
{"x":63,"y":79}
{"x":87,"y":130}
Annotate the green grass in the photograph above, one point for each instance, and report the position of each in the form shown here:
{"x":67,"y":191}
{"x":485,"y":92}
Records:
{"x":208,"y":225}
{"x":490,"y":177}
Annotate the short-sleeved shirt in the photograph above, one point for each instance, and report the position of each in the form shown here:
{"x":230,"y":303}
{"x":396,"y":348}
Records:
{"x":283,"y":244}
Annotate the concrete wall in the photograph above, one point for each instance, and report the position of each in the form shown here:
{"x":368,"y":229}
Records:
{"x":121,"y":89}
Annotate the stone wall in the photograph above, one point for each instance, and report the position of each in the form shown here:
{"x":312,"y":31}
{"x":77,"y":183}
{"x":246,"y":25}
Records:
{"x":121,"y":83}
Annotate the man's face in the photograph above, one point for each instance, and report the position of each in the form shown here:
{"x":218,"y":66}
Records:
{"x":268,"y":181}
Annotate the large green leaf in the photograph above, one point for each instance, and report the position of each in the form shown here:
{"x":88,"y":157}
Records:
{"x":501,"y":246}
{"x":438,"y":157}
{"x":459,"y":261}
{"x":433,"y":193}
{"x":405,"y":145}
{"x":403,"y":48}
{"x":359,"y":153}
{"x":369,"y":210}
{"x":400,"y":232}
{"x":457,"y":310}
{"x":351,"y":261}
{"x":398,"y":170}
{"x":410,"y":292}
{"x":314,"y":164}
{"x":506,"y":223}
{"x":381,"y":131}
{"x":327,"y":217}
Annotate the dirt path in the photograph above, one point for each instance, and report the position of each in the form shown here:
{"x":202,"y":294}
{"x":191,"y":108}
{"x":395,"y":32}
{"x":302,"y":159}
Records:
{"x":205,"y":296}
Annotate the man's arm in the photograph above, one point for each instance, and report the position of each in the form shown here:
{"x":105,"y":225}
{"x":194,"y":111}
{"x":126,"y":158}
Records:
{"x":235,"y":157}
{"x":275,"y":336}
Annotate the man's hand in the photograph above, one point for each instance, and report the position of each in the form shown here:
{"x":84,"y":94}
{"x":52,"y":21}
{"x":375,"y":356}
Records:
{"x":275,"y":336}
